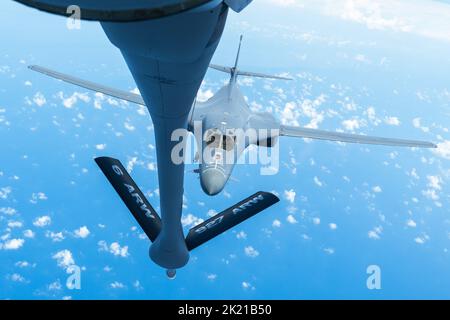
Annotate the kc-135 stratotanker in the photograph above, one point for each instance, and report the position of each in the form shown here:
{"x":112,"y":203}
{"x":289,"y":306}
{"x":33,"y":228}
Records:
{"x":168,"y":46}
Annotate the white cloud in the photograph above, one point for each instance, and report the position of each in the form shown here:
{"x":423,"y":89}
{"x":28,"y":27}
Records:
{"x":290,"y":114}
{"x":392,"y":121}
{"x":73,"y":99}
{"x":443,"y":149}
{"x":316,"y":221}
{"x":117,"y":250}
{"x":100,"y":146}
{"x":372,"y":14}
{"x":64,"y":258}
{"x":12,"y":244}
{"x":28,"y":233}
{"x":55,"y":286}
{"x":247,"y":285}
{"x":15,"y":277}
{"x":377,"y":189}
{"x":42,"y":221}
{"x":289,"y":195}
{"x":241,"y":235}
{"x":329,"y":251}
{"x":131,"y":163}
{"x":362,"y":58}
{"x":117,"y":285}
{"x":39,"y":99}
{"x":431,"y":194}
{"x":428,"y":19}
{"x":318,"y":182}
{"x":420,"y":240}
{"x":15,"y":224}
{"x":204,"y":95}
{"x":55,"y":236}
{"x":190,"y":220}
{"x":114,"y":248}
{"x":82,"y":232}
{"x":129,"y":126}
{"x":332,"y":226}
{"x":375,"y":233}
{"x":211,"y":276}
{"x":291,"y":219}
{"x":4,"y":192}
{"x":434,"y":182}
{"x":251,"y":252}
{"x":287,"y":3}
{"x":371,"y":114}
{"x":417,"y":124}
{"x":22,"y":264}
{"x":38,"y":196}
{"x":276,"y":223}
{"x":8,"y":211}
{"x":411,"y":223}
{"x":351,"y":124}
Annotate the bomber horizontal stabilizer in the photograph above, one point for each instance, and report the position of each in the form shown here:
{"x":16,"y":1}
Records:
{"x":247,"y":73}
{"x":131,"y":195}
{"x":229,"y":218}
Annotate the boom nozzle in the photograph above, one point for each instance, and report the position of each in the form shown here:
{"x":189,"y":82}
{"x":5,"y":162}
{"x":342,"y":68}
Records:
{"x":171,"y":273}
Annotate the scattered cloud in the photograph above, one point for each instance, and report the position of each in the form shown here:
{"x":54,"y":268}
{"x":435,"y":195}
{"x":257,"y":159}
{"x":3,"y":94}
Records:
{"x":100,"y":146}
{"x":251,"y":252}
{"x":55,"y":236}
{"x":28,"y":233}
{"x":39,"y":99}
{"x":318,"y":182}
{"x":69,"y":102}
{"x":190,"y":220}
{"x":64,"y":258}
{"x":211,"y":276}
{"x":443,"y":149}
{"x":114,"y":248}
{"x":38,"y":196}
{"x":12,"y":244}
{"x":241,"y":235}
{"x":291,"y":219}
{"x":117,"y":285}
{"x":351,"y":124}
{"x":411,"y":223}
{"x":276,"y":223}
{"x":4,"y":192}
{"x":289,"y":195}
{"x":15,"y":277}
{"x":247,"y":285}
{"x":375,"y":233}
{"x":8,"y":211}
{"x":377,"y":189}
{"x":42,"y":221}
{"x":82,"y":232}
{"x":392,"y":121}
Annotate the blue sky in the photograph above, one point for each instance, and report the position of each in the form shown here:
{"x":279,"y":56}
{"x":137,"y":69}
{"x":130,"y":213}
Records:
{"x":369,"y":67}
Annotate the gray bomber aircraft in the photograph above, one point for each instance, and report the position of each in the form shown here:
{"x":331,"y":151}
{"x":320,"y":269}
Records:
{"x":168,"y":68}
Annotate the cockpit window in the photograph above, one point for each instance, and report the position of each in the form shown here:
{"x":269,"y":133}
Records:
{"x":217,"y":140}
{"x":227,"y":143}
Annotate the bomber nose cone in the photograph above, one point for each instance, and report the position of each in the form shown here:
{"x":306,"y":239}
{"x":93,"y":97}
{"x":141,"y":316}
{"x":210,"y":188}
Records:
{"x":212,"y":181}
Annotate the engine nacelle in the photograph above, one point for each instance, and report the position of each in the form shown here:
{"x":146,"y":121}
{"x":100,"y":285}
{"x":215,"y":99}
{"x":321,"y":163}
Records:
{"x":269,"y":142}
